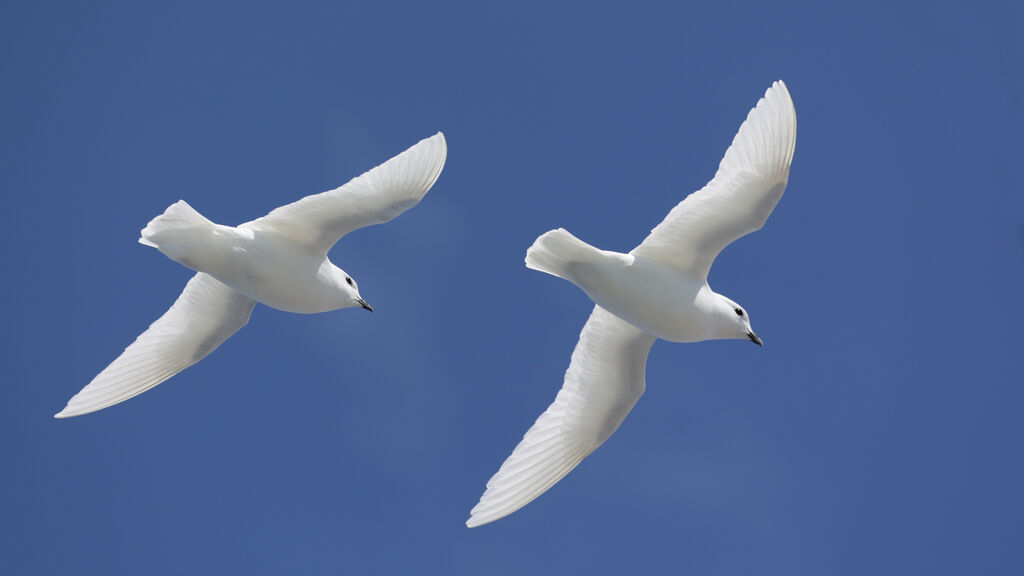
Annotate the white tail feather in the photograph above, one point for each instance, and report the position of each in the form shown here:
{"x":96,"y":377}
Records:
{"x":555,"y":251}
{"x":177,"y":218}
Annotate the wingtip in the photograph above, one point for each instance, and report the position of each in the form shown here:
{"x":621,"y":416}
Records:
{"x":444,"y":147}
{"x":440,"y":139}
{"x":777,"y":87}
{"x":439,"y":155}
{"x":474,"y":521}
{"x":441,"y":159}
{"x":780,"y":87}
{"x":69,"y":412}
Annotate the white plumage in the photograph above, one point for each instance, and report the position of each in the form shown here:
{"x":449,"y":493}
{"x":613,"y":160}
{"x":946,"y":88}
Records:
{"x":279,"y":260}
{"x":658,"y":290}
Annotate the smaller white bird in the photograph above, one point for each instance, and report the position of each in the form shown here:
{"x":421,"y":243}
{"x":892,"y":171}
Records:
{"x":279,"y":260}
{"x":657,"y":290}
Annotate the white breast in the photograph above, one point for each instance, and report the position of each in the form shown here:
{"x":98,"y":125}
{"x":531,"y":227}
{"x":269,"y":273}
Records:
{"x":276,"y":273}
{"x":653,"y":297}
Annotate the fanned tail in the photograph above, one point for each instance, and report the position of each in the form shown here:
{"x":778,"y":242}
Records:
{"x":555,"y":251}
{"x":178,"y":218}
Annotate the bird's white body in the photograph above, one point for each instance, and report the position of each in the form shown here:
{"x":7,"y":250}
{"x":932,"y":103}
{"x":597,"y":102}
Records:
{"x":265,"y":265}
{"x":279,"y":260}
{"x":658,"y":290}
{"x":656,"y":298}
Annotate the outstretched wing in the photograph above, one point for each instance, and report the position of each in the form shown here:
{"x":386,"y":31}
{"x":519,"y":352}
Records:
{"x":738,"y":200}
{"x":377,"y":196}
{"x":604,"y":381}
{"x":205,"y":315}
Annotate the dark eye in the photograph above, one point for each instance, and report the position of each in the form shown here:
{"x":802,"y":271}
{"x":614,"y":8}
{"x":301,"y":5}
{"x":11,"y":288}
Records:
{"x":739,"y":311}
{"x":349,"y":280}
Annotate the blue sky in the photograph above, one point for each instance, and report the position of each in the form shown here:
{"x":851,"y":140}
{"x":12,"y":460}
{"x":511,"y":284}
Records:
{"x":878,"y":431}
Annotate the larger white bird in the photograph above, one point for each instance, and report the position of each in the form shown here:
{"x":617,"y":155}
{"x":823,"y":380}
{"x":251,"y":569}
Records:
{"x":657,"y":290}
{"x":279,"y":260}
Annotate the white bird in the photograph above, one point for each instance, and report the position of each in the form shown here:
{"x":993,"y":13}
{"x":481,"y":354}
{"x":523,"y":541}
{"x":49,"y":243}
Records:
{"x":279,"y":260}
{"x":657,"y":290}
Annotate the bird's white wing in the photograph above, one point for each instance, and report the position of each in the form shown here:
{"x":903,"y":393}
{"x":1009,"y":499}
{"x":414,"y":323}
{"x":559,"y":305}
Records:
{"x":375,"y":197}
{"x":205,"y":315}
{"x":604,"y":381}
{"x":738,"y":200}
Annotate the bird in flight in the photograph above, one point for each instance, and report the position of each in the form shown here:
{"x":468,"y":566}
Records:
{"x":658,"y":290}
{"x":279,"y":260}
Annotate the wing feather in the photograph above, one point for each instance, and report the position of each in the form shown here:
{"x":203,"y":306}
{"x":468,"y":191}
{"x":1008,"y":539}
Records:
{"x":375,"y":197}
{"x":604,"y":380}
{"x":748,"y":184}
{"x":205,"y":315}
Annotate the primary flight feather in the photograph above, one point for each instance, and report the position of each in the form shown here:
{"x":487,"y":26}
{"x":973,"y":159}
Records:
{"x":657,"y":290}
{"x":279,"y":260}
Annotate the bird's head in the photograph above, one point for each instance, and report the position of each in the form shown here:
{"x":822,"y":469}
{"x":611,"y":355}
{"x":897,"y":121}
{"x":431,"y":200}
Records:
{"x":349,"y":290}
{"x":734,"y":321}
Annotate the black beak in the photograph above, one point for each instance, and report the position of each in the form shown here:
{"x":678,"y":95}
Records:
{"x":753,"y":338}
{"x":365,"y":305}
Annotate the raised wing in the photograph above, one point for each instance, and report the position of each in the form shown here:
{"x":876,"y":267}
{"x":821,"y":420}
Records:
{"x":375,"y":197}
{"x":604,"y":381}
{"x":738,"y":200}
{"x":205,"y":315}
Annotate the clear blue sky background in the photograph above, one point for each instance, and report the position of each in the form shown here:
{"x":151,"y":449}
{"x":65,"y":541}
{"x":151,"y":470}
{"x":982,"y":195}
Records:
{"x":878,"y":431}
